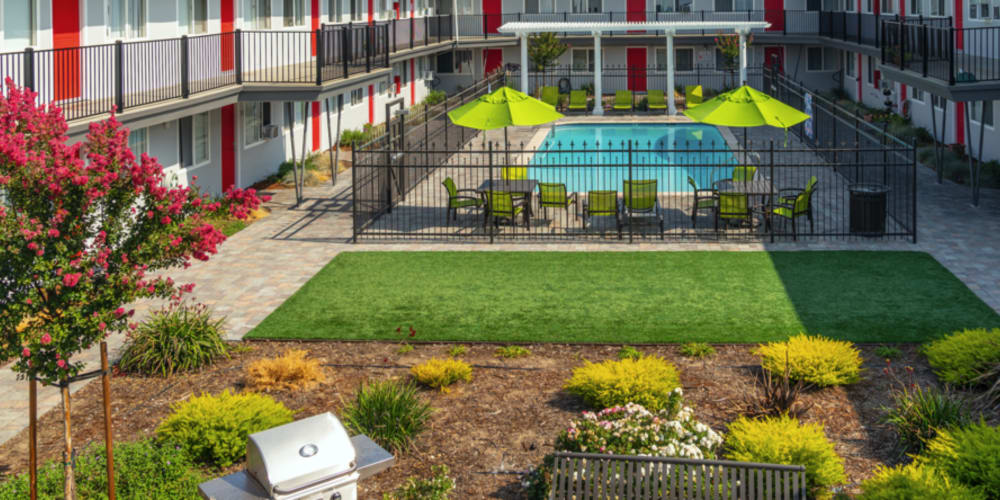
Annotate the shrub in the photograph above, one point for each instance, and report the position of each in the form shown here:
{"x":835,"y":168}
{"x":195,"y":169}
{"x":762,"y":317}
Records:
{"x":647,"y":381}
{"x":404,"y":348}
{"x":773,"y":396}
{"x":962,"y":356}
{"x":817,"y":360}
{"x":783,"y":440}
{"x":886,"y":352}
{"x":697,"y":350}
{"x":440,"y":373}
{"x":913,"y":481}
{"x":415,"y":488}
{"x":512,"y":351}
{"x":629,"y":352}
{"x":389,"y":412}
{"x":434,"y":97}
{"x":917,"y":413}
{"x":214,"y":429}
{"x":143,"y":470}
{"x":289,"y":372}
{"x":969,"y":455}
{"x":179,"y":338}
{"x":457,"y":350}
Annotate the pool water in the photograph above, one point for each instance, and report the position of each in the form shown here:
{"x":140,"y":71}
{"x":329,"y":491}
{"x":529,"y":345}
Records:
{"x":589,"y":157}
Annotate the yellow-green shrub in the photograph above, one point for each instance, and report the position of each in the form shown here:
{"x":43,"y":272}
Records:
{"x":783,"y":440}
{"x":969,"y":455}
{"x":962,"y":356}
{"x":814,"y":359}
{"x":440,"y":373}
{"x":913,"y":481}
{"x":647,"y":381}
{"x":214,"y":429}
{"x":290,"y":372}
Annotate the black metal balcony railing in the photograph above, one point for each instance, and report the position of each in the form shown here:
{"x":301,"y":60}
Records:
{"x":88,"y":81}
{"x":953,"y":55}
{"x":485,"y":25}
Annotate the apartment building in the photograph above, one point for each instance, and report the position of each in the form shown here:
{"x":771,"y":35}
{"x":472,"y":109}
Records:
{"x":216,"y":88}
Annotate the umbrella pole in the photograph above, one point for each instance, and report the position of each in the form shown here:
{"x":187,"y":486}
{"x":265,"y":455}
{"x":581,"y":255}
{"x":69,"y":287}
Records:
{"x":746,"y":153}
{"x":506,"y":145}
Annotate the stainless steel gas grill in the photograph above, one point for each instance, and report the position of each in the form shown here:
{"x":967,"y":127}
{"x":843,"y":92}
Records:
{"x":309,"y":459}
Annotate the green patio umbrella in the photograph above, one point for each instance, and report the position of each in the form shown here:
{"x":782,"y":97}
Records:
{"x":502,"y":108}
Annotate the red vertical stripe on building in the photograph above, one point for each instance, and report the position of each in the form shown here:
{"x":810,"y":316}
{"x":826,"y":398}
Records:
{"x":371,"y":104}
{"x":371,"y":11}
{"x":960,"y":122}
{"x":315,"y":126}
{"x":228,"y":146}
{"x":959,"y":34}
{"x":315,"y":24}
{"x":66,"y":63}
{"x":413,"y":84}
{"x":226,"y":16}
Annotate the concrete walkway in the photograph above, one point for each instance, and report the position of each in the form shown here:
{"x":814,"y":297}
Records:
{"x":260,"y":267}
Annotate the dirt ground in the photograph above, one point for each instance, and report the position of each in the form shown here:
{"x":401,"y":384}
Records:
{"x":493,"y":428}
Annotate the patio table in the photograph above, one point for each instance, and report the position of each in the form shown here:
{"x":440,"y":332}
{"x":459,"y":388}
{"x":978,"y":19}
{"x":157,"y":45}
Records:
{"x":523,"y":187}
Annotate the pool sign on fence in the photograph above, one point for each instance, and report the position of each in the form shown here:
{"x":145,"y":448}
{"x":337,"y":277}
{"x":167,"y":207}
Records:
{"x":809,"y":111}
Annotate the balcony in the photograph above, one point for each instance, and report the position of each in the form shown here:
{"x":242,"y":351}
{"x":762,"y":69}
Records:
{"x":87,"y":81}
{"x":484,"y":26}
{"x":956,"y":57}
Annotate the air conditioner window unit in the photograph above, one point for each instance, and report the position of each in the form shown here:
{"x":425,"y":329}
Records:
{"x":269,"y":131}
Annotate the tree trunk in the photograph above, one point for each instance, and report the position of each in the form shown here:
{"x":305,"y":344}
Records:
{"x":69,"y":485}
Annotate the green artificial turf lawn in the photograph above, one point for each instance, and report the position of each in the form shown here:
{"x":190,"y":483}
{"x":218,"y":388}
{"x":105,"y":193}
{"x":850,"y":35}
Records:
{"x":629,"y":297}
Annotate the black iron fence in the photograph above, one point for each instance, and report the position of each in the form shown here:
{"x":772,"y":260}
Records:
{"x":943,"y":52}
{"x":638,"y":79}
{"x":90,"y":80}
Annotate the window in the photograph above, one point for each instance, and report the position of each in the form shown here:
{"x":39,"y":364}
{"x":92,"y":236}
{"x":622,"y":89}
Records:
{"x":814,"y":59}
{"x":193,"y":16}
{"x":976,"y":110}
{"x":937,"y":7}
{"x":660,"y":59}
{"x":126,"y":18}
{"x":357,"y":10}
{"x":332,"y":103}
{"x":256,"y":115}
{"x":463,"y":61}
{"x":684,"y":59}
{"x":938,"y":102}
{"x":663,"y":5}
{"x":887,"y":6}
{"x":383,"y":87}
{"x":917,"y":95}
{"x":537,"y":6}
{"x":723,"y":64}
{"x":870,"y":77}
{"x":194,"y":140}
{"x":336,"y":11}
{"x":138,"y":142}
{"x":469,"y":6}
{"x":916,"y":7}
{"x":258,"y":14}
{"x":18,"y":24}
{"x":357,"y":96}
{"x":583,"y":59}
{"x":683,"y":5}
{"x":294,"y":12}
{"x":833,"y":5}
{"x":849,"y":65}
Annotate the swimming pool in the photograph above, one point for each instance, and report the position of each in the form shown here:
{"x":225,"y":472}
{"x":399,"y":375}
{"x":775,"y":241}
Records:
{"x":563,"y":156}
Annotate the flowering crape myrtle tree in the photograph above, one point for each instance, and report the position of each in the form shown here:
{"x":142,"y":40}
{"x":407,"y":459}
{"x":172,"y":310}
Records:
{"x":84,"y":231}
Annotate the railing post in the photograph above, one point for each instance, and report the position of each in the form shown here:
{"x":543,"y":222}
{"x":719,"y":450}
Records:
{"x":902,"y":46}
{"x":489,"y":198}
{"x":439,"y":28}
{"x":369,"y":39}
{"x":345,"y":49}
{"x":951,"y":56}
{"x":411,"y":34}
{"x":385,"y":61}
{"x":923,"y":45}
{"x":185,"y":77}
{"x":784,"y":22}
{"x":427,"y":33}
{"x":486,"y":35}
{"x":392,"y":23}
{"x":238,"y":45}
{"x":119,"y":76}
{"x":319,"y":56}
{"x":882,"y":52}
{"x":28,"y":65}
{"x":631,"y":190}
{"x":770,"y":199}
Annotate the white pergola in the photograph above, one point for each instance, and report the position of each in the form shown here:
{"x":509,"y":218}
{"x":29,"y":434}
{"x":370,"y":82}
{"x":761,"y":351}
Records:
{"x":669,"y":28}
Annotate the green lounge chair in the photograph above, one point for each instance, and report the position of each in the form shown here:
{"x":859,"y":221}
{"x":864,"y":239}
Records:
{"x":656,"y":99}
{"x":578,"y":100}
{"x":692,"y":95}
{"x":733,"y":207}
{"x":502,"y":206}
{"x":550,"y":96}
{"x":623,"y":100}
{"x":554,"y":195}
{"x":794,"y":204}
{"x":514,"y":173}
{"x":640,"y":203}
{"x":704,"y":199}
{"x":602,"y":203}
{"x":457,"y":200}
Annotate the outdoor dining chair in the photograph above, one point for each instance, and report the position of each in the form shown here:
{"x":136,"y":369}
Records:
{"x":501,"y":206}
{"x":655,"y":100}
{"x":704,"y":199}
{"x":553,"y":194}
{"x":514,"y":173}
{"x":457,"y":200}
{"x":733,"y":207}
{"x":795,"y":203}
{"x":640,"y":203}
{"x":602,"y":203}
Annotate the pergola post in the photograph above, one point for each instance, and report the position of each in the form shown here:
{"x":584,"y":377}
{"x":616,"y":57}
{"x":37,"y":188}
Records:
{"x":743,"y":56}
{"x":524,"y":63}
{"x":598,"y":87}
{"x":671,"y":105}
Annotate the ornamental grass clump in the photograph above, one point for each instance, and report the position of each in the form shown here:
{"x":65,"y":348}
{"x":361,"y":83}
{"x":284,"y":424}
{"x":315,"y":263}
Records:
{"x":389,"y":412}
{"x":962,"y":357}
{"x":969,"y":455}
{"x":512,"y":351}
{"x":441,"y":373}
{"x":697,"y":350}
{"x":289,"y":372}
{"x":436,"y":487}
{"x":816,"y":360}
{"x":179,"y":338}
{"x":914,"y":481}
{"x":783,"y":440}
{"x":214,"y":429}
{"x":648,"y":381}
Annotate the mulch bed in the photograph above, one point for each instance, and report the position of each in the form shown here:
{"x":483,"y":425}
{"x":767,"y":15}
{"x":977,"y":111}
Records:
{"x":501,"y":423}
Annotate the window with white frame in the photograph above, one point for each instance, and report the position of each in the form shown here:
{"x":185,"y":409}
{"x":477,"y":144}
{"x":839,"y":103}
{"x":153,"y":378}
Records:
{"x":887,"y":6}
{"x":467,"y":7}
{"x":660,"y":59}
{"x":294,"y":12}
{"x":977,"y":111}
{"x":849,"y":65}
{"x":357,"y":10}
{"x":336,"y":11}
{"x":937,"y":7}
{"x":383,"y":87}
{"x":463,"y":61}
{"x":917,"y":95}
{"x":257,"y":14}
{"x":583,"y":6}
{"x":814,"y":59}
{"x":938,"y":102}
{"x":256,"y":115}
{"x":663,"y":5}
{"x":833,"y":5}
{"x":916,"y":7}
{"x":126,"y":19}
{"x":683,"y":5}
{"x":18,"y":24}
{"x":192,"y":16}
{"x":195,"y":140}
{"x":331,"y":102}
{"x":582,"y":59}
{"x":138,"y":142}
{"x":733,"y":5}
{"x":850,"y":6}
{"x":684,"y":59}
{"x":357,"y":96}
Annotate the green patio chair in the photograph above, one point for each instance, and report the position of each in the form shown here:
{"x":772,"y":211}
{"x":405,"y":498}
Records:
{"x":733,"y":207}
{"x":602,"y":203}
{"x":640,"y":203}
{"x":502,"y":206}
{"x":514,"y":173}
{"x":795,"y":203}
{"x":553,"y":194}
{"x":656,"y":99}
{"x":550,"y":96}
{"x":692,"y":95}
{"x":457,"y":200}
{"x":704,"y":199}
{"x":744,"y":173}
{"x":623,"y":100}
{"x":578,"y":100}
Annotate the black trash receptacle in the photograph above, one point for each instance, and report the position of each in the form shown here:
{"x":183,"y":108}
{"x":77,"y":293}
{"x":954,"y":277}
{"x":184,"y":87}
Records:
{"x":868,"y":202}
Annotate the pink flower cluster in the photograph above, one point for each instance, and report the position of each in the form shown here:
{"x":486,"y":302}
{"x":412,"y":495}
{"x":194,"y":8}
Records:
{"x":241,"y":202}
